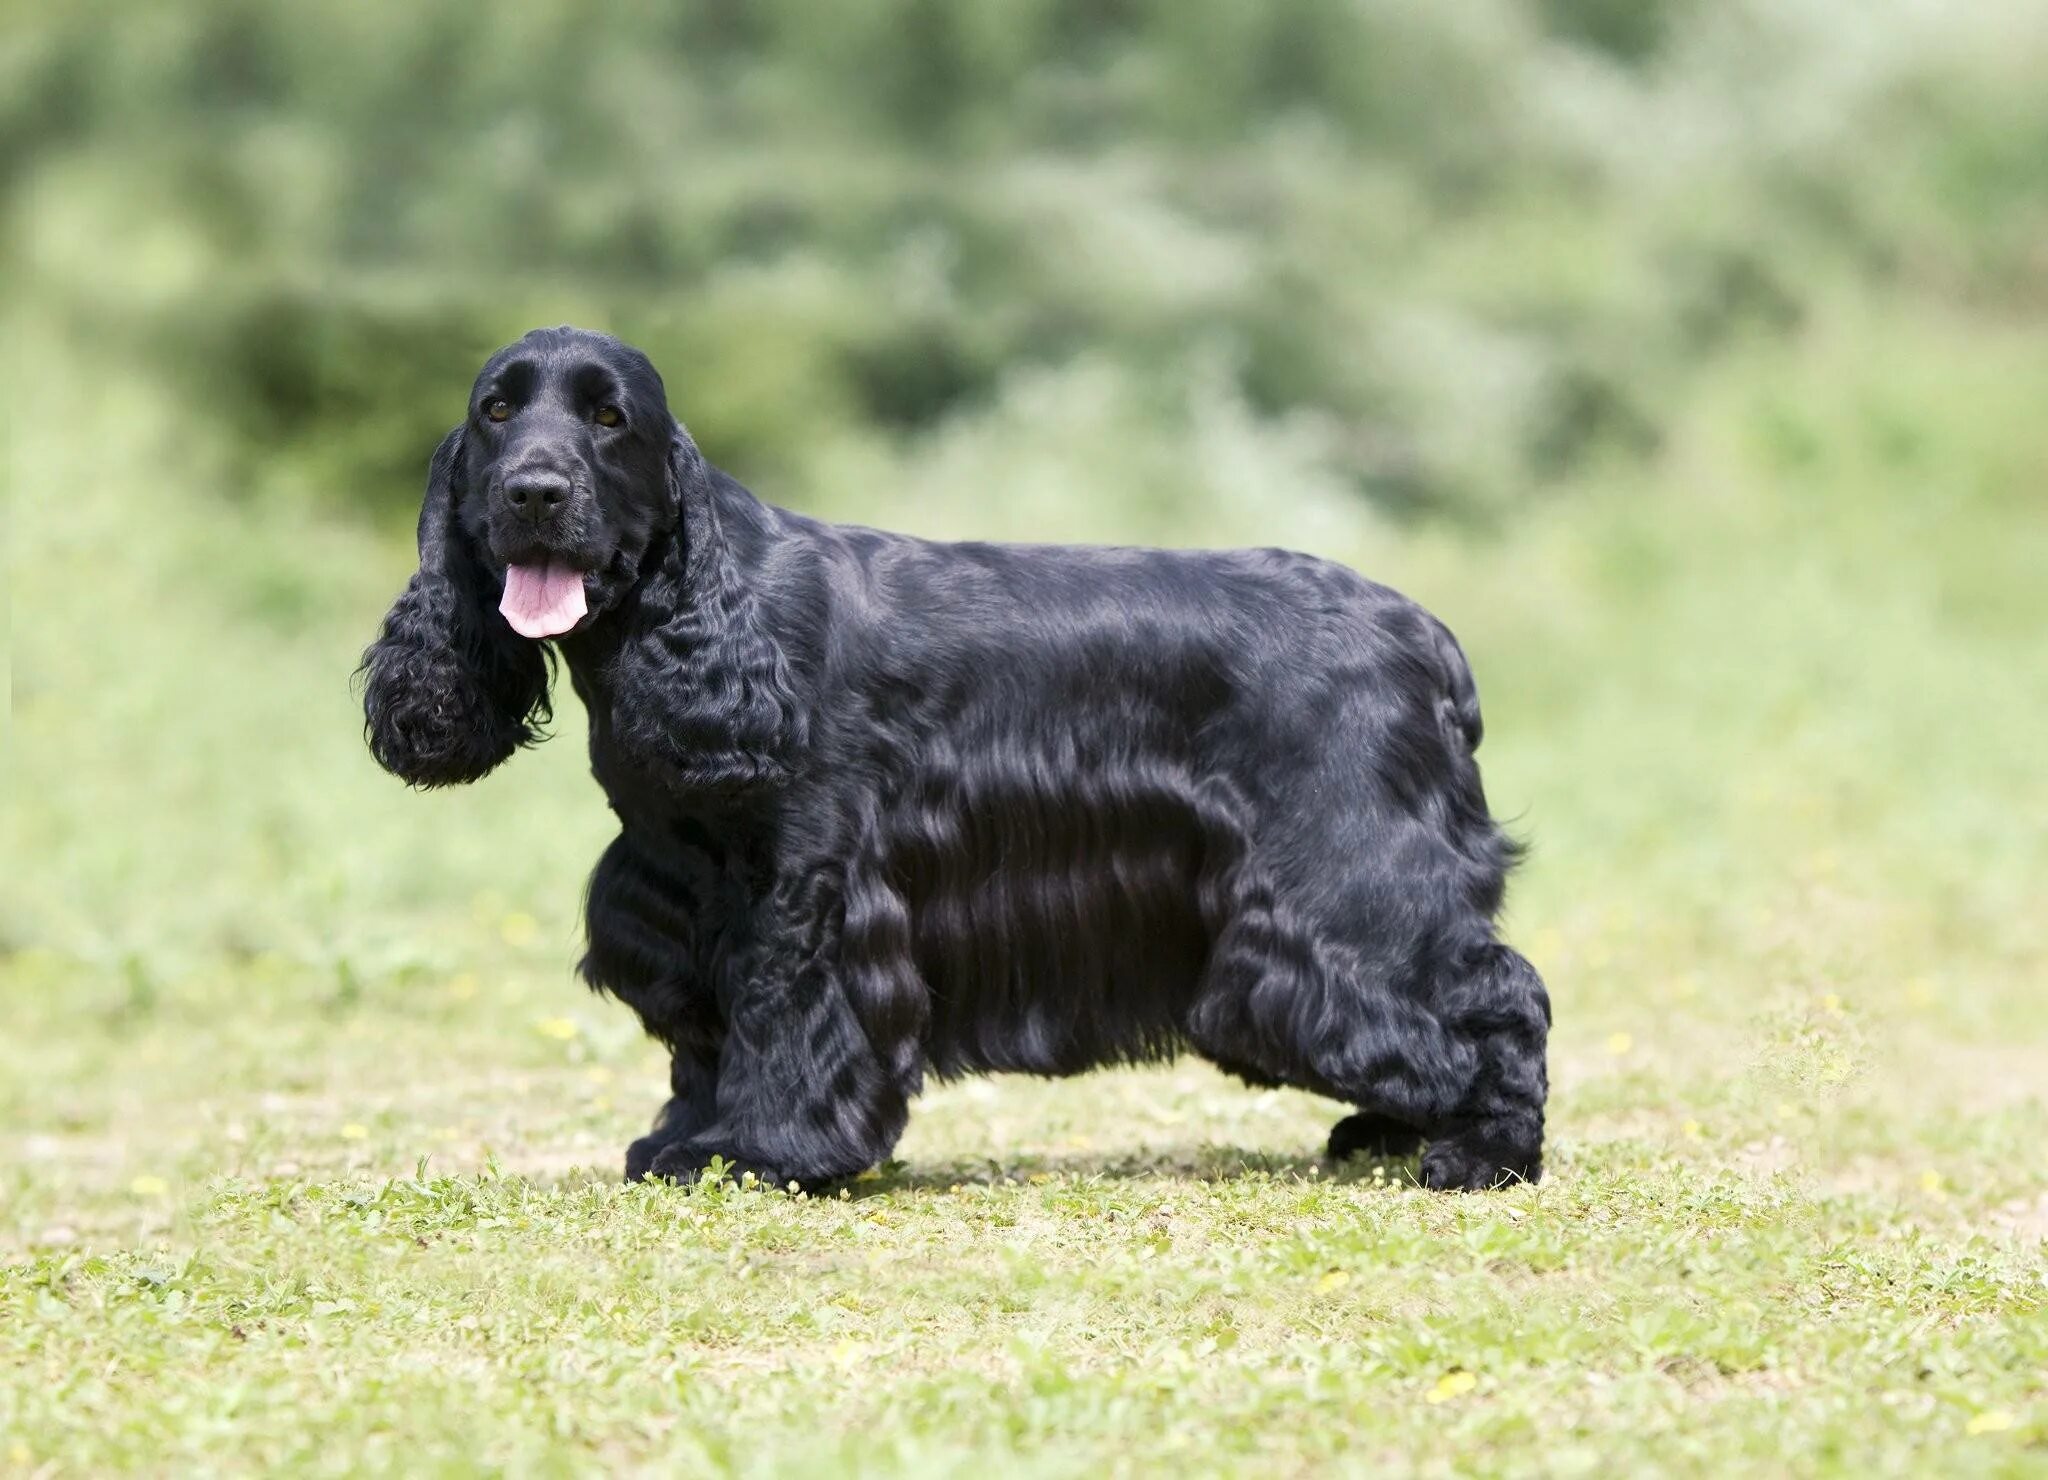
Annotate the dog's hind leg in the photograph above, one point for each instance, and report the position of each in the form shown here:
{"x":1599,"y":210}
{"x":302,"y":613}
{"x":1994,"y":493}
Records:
{"x":1494,"y":1001}
{"x":1449,"y":1050}
{"x":1281,"y":1003}
{"x":1370,"y":1134}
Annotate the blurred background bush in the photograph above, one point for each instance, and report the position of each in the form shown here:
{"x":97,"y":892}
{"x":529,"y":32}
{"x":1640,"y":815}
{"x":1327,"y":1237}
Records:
{"x":1687,"y":356}
{"x":1432,"y":257}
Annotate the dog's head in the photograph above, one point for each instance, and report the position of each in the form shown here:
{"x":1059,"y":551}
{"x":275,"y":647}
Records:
{"x":540,"y":510}
{"x":567,"y":470}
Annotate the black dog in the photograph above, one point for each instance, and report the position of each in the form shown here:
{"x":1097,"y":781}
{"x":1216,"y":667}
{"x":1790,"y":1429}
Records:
{"x":887,"y":805}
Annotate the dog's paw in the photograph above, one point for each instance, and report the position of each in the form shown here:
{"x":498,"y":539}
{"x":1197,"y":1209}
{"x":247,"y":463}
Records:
{"x":1372,"y":1135}
{"x":1473,"y":1161}
{"x":685,"y":1165}
{"x":640,"y":1157}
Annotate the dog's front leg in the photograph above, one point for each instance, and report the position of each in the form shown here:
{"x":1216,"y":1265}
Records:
{"x":803,"y":1092}
{"x":692,"y":1106}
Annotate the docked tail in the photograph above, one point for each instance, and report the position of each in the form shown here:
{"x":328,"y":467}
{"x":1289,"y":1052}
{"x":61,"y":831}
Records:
{"x":1457,"y":717}
{"x":1458,"y":708}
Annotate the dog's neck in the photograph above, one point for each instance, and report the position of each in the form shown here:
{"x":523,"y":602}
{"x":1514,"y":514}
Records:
{"x":689,"y":691}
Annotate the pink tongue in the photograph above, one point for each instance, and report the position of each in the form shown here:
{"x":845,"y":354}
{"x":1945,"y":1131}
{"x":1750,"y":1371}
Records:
{"x":543,"y":600}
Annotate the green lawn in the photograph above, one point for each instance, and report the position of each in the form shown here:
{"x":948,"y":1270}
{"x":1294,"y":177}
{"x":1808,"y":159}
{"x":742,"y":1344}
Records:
{"x":309,"y":1142}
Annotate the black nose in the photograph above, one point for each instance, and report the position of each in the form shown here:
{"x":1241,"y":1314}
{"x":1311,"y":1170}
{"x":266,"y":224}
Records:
{"x":535,"y":496}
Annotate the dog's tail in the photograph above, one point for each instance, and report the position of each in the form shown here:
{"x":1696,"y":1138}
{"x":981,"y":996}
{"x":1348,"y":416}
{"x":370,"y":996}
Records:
{"x":1457,"y":717}
{"x":1457,"y":706}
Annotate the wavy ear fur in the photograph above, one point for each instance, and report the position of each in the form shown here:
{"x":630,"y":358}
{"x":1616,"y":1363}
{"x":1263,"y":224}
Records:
{"x":449,"y":690}
{"x":700,"y":686}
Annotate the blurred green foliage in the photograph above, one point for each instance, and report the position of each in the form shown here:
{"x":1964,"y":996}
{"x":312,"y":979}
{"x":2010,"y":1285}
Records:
{"x":1434,"y":256}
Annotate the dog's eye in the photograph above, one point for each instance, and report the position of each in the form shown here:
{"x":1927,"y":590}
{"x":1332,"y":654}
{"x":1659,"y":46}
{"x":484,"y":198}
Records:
{"x":608,"y":416}
{"x":497,"y":409}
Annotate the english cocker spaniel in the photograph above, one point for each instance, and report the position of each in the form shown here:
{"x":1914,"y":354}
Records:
{"x":889,"y":807}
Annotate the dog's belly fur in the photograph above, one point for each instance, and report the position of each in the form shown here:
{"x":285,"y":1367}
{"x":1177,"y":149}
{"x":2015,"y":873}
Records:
{"x":1057,"y":925}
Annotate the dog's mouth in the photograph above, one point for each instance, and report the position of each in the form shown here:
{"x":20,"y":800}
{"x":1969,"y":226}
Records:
{"x":543,"y":597}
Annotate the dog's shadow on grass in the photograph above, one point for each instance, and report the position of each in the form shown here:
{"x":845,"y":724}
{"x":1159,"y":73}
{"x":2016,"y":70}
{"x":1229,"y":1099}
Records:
{"x":1205,"y":1163}
{"x":1188,"y":1164}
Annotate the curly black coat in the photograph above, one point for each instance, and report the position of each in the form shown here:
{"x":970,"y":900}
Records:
{"x":889,"y":806}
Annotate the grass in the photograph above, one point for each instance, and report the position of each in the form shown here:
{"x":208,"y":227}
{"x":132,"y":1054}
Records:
{"x":308,"y":1143}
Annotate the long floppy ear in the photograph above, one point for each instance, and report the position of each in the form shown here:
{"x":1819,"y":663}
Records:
{"x":700,"y":684}
{"x":449,"y":689}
